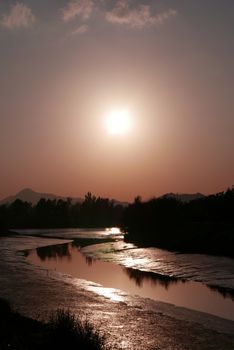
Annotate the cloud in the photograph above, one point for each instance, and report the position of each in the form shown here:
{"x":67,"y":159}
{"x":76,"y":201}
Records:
{"x":80,"y":30}
{"x":161,"y":17}
{"x":20,"y":15}
{"x":136,"y":17}
{"x":75,"y":8}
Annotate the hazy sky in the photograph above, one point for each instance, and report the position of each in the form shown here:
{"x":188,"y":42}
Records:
{"x":64,"y":65}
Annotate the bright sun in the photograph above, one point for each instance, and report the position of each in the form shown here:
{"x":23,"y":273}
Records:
{"x":118,"y":122}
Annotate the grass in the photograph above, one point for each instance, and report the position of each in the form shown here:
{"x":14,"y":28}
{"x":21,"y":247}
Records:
{"x":63,"y":331}
{"x":70,"y":331}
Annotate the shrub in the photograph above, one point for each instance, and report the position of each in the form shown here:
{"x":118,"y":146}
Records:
{"x":63,"y":331}
{"x":70,"y":332}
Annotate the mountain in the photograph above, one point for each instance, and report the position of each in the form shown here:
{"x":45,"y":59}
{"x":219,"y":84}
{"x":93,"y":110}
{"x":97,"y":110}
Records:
{"x":28,"y":195}
{"x":184,"y":197}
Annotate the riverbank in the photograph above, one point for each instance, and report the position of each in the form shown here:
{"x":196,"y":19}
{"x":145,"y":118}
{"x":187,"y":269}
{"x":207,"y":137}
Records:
{"x":203,"y":226}
{"x":62,"y":330}
{"x":209,"y":238}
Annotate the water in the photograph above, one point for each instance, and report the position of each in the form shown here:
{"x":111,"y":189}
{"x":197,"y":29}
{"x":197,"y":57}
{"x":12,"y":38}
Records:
{"x":128,"y":320}
{"x":69,"y":259}
{"x":198,"y":282}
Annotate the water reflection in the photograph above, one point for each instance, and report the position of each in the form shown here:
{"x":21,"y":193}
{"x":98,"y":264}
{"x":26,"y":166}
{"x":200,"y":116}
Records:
{"x":60,"y":251}
{"x":69,"y":259}
{"x":139,"y":277}
{"x":89,"y":261}
{"x":65,"y":251}
{"x":225,"y":292}
{"x":107,"y":273}
{"x":77,"y":260}
{"x":55,"y":252}
{"x":113,"y":231}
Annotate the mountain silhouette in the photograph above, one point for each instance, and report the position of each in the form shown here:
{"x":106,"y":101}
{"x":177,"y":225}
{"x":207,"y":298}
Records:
{"x":31,"y":196}
{"x":184,"y":197}
{"x":28,"y":195}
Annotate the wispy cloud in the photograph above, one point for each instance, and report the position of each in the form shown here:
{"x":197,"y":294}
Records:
{"x":137,"y":17}
{"x":161,"y":17}
{"x":80,"y":30}
{"x":77,"y":8}
{"x":20,"y":15}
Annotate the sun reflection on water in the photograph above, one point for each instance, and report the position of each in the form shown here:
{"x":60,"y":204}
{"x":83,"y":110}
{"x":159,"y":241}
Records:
{"x":109,"y":293}
{"x":113,"y":231}
{"x":110,"y":268}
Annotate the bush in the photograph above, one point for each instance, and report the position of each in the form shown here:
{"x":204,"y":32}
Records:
{"x":63,"y":331}
{"x":68,"y":331}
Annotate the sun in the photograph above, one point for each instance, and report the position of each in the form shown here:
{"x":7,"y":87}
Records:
{"x":118,"y":122}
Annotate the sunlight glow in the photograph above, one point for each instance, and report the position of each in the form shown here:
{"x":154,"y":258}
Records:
{"x":113,"y":231}
{"x":118,"y":122}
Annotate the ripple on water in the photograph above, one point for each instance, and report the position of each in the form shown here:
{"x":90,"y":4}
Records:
{"x":197,"y":267}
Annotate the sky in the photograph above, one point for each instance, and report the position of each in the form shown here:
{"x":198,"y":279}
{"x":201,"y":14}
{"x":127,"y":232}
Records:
{"x":65,"y":66}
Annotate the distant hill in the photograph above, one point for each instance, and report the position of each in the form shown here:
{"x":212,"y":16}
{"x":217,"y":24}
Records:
{"x":28,"y":195}
{"x":31,"y":196}
{"x":184,"y":197}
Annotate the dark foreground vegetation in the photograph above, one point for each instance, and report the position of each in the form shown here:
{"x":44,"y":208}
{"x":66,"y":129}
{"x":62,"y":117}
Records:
{"x":63,"y":331}
{"x":204,"y":225}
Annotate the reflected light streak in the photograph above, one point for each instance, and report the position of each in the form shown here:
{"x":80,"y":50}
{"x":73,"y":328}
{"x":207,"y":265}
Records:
{"x":113,"y":231}
{"x":109,"y":293}
{"x":132,"y":262}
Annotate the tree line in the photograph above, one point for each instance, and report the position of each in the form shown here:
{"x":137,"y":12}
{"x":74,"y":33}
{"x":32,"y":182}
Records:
{"x":92,"y":212}
{"x":204,"y":225}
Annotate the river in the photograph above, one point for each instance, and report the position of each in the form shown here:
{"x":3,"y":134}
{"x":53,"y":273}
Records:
{"x":58,"y":269}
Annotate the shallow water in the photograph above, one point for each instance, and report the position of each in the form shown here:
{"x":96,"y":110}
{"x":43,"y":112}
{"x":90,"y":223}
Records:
{"x":129,"y":322}
{"x":69,"y":259}
{"x":211,"y":270}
